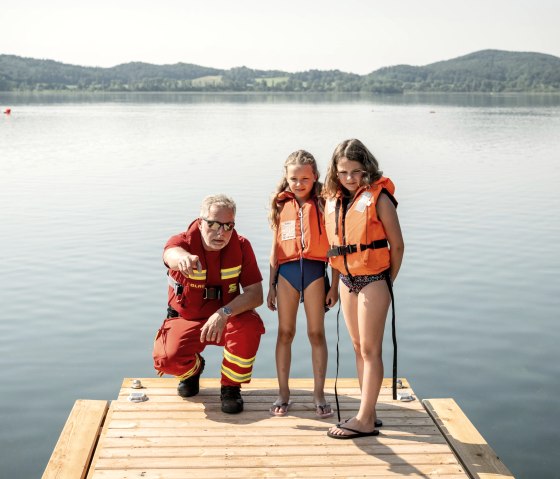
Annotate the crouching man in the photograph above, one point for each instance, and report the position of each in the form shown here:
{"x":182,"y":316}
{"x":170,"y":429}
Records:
{"x":214,"y":286}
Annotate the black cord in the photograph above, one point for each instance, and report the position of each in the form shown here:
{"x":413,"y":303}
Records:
{"x":394,"y":334}
{"x":337,"y":361}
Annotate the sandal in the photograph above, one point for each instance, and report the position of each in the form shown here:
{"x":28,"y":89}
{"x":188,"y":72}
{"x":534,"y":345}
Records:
{"x":284,"y":407}
{"x":324,"y":410}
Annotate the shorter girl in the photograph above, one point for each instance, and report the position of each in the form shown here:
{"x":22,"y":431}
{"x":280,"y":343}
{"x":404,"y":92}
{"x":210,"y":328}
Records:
{"x":298,"y":274}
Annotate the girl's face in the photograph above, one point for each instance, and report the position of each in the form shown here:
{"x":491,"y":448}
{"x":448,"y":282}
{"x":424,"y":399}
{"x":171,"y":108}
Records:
{"x":300,"y":180}
{"x":350,"y":174}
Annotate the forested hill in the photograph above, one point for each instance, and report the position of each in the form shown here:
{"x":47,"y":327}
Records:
{"x":483,"y":71}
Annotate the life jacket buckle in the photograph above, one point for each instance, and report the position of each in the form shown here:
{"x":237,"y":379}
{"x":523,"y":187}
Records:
{"x":212,"y":292}
{"x":342,"y":250}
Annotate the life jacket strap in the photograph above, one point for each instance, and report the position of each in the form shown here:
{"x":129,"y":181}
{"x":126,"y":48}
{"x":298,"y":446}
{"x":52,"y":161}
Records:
{"x":177,"y":287}
{"x":343,"y":250}
{"x":394,"y":334}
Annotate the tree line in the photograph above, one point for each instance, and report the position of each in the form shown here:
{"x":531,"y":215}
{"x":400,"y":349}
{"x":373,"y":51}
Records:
{"x":484,"y":71}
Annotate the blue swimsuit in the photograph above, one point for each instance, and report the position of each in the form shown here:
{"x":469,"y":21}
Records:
{"x":301,"y":273}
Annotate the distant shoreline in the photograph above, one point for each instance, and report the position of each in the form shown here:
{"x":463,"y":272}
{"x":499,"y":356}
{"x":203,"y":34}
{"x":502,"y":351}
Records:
{"x":486,"y":71}
{"x":70,"y":93}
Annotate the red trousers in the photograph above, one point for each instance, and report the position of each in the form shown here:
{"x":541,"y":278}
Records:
{"x":177,"y":347}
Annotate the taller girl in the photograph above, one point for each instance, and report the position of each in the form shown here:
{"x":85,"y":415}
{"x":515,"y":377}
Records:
{"x":297,"y":273}
{"x":367,"y":248}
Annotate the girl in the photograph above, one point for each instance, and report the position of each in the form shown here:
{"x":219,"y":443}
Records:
{"x":297,"y":274}
{"x":367,"y":248}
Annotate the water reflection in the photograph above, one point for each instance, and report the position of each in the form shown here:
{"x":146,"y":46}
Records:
{"x":437,"y":99}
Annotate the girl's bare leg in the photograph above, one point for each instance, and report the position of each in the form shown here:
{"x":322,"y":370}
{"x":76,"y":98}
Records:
{"x":288,"y":302}
{"x":314,"y":303}
{"x":372,"y":306}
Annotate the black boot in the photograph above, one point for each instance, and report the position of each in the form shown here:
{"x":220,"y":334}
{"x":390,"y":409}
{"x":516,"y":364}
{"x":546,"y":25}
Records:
{"x":232,"y":402}
{"x":190,"y":386}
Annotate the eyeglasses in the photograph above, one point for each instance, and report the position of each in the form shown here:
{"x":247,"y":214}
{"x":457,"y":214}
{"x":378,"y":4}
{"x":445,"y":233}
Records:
{"x":216,"y":225}
{"x":351,"y":174}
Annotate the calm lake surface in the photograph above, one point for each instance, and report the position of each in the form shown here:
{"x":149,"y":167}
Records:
{"x":91,"y":187}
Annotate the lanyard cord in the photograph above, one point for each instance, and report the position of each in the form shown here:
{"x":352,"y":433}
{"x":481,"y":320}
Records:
{"x":393,"y":333}
{"x":337,"y":361}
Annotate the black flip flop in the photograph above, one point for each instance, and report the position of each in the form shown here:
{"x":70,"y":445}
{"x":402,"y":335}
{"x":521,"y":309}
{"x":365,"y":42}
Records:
{"x":378,"y":423}
{"x":354,"y":434}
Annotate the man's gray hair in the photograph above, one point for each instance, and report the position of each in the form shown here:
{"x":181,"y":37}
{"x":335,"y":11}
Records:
{"x":217,"y":200}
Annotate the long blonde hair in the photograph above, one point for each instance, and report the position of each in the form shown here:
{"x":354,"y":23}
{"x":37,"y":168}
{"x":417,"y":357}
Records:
{"x":354,"y":150}
{"x":299,"y":158}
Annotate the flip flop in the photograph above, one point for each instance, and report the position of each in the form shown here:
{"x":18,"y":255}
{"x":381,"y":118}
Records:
{"x":324,"y":410}
{"x":378,"y":423}
{"x":354,"y":434}
{"x":284,"y":408}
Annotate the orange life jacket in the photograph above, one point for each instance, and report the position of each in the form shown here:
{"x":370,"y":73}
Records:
{"x":358,"y":243}
{"x":300,"y":231}
{"x":190,"y":296}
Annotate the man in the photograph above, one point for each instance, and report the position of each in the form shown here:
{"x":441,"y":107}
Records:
{"x":208,"y":264}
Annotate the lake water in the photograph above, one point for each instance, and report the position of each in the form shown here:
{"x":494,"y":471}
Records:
{"x":91,"y":187}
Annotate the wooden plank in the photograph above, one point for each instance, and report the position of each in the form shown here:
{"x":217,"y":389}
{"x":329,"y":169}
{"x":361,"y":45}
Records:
{"x":384,"y":409}
{"x":72,"y":453}
{"x":346,"y":400}
{"x":248,"y":462}
{"x":476,"y":455}
{"x":346,"y":472}
{"x":100,"y":442}
{"x":257,"y":383}
{"x":239,"y":425}
{"x":411,"y":432}
{"x":249,"y":414}
{"x":352,"y":394}
{"x":315,"y":440}
{"x":287,"y":448}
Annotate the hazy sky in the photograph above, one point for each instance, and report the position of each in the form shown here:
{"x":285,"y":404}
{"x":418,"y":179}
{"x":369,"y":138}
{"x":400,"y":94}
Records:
{"x":351,"y":35}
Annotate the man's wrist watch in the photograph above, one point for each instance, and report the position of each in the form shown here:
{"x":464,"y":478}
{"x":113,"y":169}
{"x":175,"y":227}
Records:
{"x":227,"y":311}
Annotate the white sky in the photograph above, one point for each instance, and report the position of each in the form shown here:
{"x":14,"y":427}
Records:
{"x":293,"y":35}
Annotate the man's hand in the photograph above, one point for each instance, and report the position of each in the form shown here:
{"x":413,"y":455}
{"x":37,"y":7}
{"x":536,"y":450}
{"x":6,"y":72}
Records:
{"x":181,"y":260}
{"x":188,"y":264}
{"x":212,"y":331}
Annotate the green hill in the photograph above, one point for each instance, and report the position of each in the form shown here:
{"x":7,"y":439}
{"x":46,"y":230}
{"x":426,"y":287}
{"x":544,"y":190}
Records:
{"x":483,"y":71}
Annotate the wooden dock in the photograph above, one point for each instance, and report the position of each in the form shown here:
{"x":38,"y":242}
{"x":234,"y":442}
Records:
{"x":168,"y":437}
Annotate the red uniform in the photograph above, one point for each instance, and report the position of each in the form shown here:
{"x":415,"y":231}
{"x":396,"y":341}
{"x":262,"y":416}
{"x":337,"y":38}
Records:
{"x":177,"y":347}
